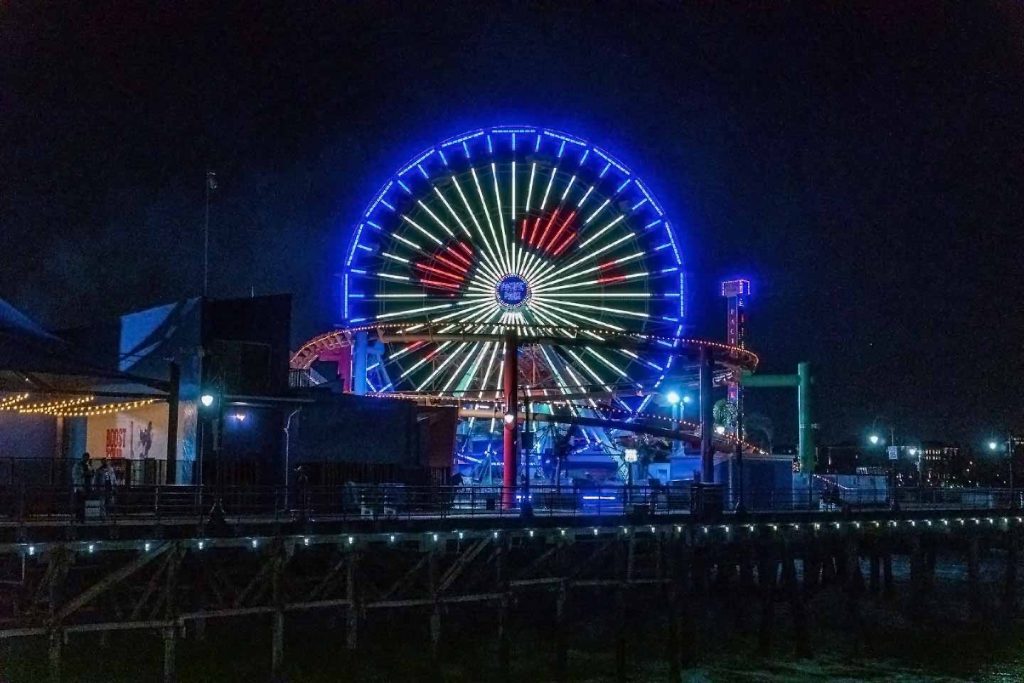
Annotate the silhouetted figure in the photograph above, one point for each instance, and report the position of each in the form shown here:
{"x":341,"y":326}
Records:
{"x":302,"y":491}
{"x":81,"y":480}
{"x":104,"y":481}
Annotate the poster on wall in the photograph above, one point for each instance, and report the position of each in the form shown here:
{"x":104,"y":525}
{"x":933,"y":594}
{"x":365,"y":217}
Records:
{"x":140,"y":434}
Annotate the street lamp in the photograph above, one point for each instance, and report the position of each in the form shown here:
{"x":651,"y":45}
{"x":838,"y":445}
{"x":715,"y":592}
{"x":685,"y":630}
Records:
{"x":994,"y":445}
{"x":876,"y":440}
{"x":206,"y":400}
{"x":674,"y":399}
{"x":630,"y":455}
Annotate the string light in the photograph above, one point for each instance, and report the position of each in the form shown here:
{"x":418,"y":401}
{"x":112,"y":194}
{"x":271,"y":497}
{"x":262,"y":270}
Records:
{"x":745,"y":357}
{"x":102,"y":409}
{"x":7,"y":401}
{"x":56,"y":405}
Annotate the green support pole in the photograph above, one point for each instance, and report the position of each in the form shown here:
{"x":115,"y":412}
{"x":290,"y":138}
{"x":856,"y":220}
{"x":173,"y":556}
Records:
{"x":805,"y":422}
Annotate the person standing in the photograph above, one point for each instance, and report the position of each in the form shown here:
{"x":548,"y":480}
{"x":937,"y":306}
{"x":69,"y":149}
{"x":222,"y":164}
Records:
{"x":81,"y":479}
{"x":105,"y":479}
{"x":302,"y":491}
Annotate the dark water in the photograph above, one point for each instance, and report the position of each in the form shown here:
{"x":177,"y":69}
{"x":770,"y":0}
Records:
{"x":945,"y":644}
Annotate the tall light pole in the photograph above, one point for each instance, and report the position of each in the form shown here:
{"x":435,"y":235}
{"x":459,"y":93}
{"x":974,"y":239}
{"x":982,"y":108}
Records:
{"x":674,"y":401}
{"x":287,"y":452}
{"x":994,"y":446}
{"x":630,"y":455}
{"x":211,"y":185}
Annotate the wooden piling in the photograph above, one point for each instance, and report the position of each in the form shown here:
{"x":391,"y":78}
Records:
{"x":504,"y":602}
{"x":670,"y":564}
{"x":170,"y":640}
{"x":686,"y":585}
{"x":170,"y":633}
{"x":624,"y":563}
{"x":876,"y":573}
{"x":1010,"y":575}
{"x":812,"y":566}
{"x":766,"y":575}
{"x":917,"y":579}
{"x":435,"y":609}
{"x":277,"y":622}
{"x":56,"y":572}
{"x":930,"y":556}
{"x":887,"y":582}
{"x":54,"y":654}
{"x":353,"y":615}
{"x":973,"y":583}
{"x":796,"y":602}
{"x":854,"y":586}
{"x":561,"y":631}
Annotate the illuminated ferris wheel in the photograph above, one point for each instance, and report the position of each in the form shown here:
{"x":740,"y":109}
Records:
{"x":517,"y":227}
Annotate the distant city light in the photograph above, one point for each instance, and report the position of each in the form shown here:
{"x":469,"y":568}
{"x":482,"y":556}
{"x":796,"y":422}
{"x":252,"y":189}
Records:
{"x":720,"y":429}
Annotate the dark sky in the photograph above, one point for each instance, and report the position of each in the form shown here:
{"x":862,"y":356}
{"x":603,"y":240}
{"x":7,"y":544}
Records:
{"x":862,"y":164}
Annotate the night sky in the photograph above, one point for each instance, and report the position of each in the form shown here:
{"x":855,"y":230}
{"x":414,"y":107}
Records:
{"x":863,"y":166}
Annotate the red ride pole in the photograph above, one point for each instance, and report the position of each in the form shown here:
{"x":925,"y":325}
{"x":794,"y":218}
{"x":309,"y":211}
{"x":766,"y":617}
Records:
{"x":510,"y":386}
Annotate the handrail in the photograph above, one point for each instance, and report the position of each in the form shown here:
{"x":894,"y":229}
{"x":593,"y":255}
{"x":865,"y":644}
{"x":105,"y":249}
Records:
{"x":22,"y":502}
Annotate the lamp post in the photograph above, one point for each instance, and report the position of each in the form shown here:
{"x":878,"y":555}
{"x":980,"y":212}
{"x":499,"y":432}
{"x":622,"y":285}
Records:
{"x":677,"y":403}
{"x":876,"y":440}
{"x":630,"y":455}
{"x":287,"y":452}
{"x":994,"y":446}
{"x":915,"y":451}
{"x":207,"y":401}
{"x":674,"y":401}
{"x":526,"y":507}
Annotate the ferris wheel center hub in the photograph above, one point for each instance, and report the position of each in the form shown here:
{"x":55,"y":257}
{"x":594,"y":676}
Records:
{"x":512,"y":292}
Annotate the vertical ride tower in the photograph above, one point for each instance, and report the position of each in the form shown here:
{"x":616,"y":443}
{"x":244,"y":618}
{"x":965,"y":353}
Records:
{"x":736,"y":293}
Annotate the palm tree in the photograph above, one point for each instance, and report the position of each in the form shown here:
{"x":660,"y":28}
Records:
{"x":760,"y":423}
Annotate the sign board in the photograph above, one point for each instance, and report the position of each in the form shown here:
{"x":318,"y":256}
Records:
{"x":137,"y":434}
{"x":894,"y":452}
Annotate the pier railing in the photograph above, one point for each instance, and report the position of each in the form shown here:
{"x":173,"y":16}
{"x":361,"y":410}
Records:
{"x":25,"y":503}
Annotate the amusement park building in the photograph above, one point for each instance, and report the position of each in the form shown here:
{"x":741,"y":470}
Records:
{"x":129,"y":390}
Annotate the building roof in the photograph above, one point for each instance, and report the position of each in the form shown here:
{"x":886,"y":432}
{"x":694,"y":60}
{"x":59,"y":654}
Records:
{"x":35,"y":360}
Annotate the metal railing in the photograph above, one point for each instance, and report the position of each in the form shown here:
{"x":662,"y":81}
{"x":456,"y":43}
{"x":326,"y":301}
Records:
{"x":25,"y":503}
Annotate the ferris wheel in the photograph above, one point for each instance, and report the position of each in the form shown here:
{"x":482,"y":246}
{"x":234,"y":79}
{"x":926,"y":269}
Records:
{"x":519,"y":227}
